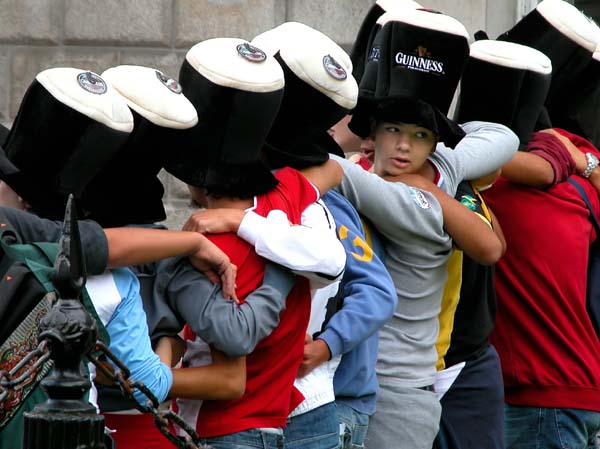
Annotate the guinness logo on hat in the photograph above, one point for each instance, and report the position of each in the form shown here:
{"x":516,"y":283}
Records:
{"x":420,"y":60}
{"x":333,"y":68}
{"x":170,"y":83}
{"x":91,"y":82}
{"x":251,"y":53}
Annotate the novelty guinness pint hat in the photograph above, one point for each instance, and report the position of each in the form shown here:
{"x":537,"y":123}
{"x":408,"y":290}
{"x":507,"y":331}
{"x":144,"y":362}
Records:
{"x":505,"y":83}
{"x":69,"y":125}
{"x":419,"y":56}
{"x":236,"y":89}
{"x":319,"y":91}
{"x":561,"y":32}
{"x":368,"y":29}
{"x":576,"y":108}
{"x":127,"y":190}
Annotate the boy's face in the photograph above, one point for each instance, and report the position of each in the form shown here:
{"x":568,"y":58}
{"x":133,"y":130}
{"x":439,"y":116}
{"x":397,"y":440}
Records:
{"x":401,"y":148}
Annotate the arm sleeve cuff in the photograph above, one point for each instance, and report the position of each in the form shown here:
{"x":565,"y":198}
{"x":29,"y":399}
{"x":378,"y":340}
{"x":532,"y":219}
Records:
{"x":336,"y":346}
{"x":551,"y":149}
{"x":251,"y":227}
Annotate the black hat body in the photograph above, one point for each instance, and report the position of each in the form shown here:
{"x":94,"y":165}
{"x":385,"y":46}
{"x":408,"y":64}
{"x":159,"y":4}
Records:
{"x":127,"y":190}
{"x":319,"y":91}
{"x":69,"y":125}
{"x":504,"y":83}
{"x":561,"y":32}
{"x":419,"y":57}
{"x":364,"y":39}
{"x":236,"y":89}
{"x":577,"y":107}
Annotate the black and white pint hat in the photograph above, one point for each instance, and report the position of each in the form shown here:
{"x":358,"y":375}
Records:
{"x":236,"y":89}
{"x":563,"y":33}
{"x":319,"y":91}
{"x":368,"y":29}
{"x":69,"y":125}
{"x":127,"y":190}
{"x":576,"y":108}
{"x":505,"y":83}
{"x":418,"y":57}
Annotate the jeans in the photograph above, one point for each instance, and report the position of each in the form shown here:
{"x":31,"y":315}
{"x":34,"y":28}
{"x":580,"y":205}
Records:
{"x":353,"y":427}
{"x":248,"y":439}
{"x":316,"y":429}
{"x":550,"y":428}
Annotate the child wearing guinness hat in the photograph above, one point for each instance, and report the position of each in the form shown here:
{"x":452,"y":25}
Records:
{"x":469,"y":379}
{"x":541,"y":379}
{"x":319,"y":90}
{"x":114,"y":294}
{"x":415,"y":64}
{"x":172,"y":289}
{"x":227,"y":79}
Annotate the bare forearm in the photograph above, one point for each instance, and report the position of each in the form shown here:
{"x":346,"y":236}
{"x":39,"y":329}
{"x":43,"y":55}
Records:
{"x":498,"y":230}
{"x":529,"y":169}
{"x":325,"y":176}
{"x":135,"y":246}
{"x":218,"y":381}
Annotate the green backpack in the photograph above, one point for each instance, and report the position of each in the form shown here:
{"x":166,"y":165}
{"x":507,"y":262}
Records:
{"x":26,"y":295}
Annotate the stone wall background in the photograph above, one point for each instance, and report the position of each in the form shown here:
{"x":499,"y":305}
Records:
{"x":98,"y":34}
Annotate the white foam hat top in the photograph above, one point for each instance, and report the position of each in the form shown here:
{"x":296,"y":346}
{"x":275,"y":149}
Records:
{"x":571,"y":22}
{"x":88,"y":94}
{"x":234,"y":63}
{"x":508,"y":54}
{"x":314,"y":58}
{"x":390,"y":5}
{"x":153,"y":95}
{"x":425,"y":19}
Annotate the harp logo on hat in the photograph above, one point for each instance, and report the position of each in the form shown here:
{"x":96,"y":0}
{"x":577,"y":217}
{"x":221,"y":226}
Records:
{"x":251,"y":53}
{"x":374,"y":54}
{"x":91,"y":82}
{"x":334,"y":68}
{"x":170,"y":83}
{"x":420,"y":61}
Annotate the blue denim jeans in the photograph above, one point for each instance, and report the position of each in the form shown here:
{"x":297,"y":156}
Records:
{"x":550,"y":428}
{"x":317,"y":429}
{"x":353,"y":427}
{"x":248,"y":439}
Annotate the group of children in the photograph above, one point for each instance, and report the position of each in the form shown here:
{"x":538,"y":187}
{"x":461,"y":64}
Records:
{"x":317,"y":302}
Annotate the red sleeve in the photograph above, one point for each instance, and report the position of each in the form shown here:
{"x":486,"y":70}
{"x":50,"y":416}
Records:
{"x":551,"y":149}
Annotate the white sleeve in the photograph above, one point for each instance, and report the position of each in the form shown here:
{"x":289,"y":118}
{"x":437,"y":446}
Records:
{"x":311,"y":251}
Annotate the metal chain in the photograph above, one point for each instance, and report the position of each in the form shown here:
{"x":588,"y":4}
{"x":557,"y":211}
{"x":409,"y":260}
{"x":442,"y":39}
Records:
{"x":120,"y":376}
{"x":9,"y":382}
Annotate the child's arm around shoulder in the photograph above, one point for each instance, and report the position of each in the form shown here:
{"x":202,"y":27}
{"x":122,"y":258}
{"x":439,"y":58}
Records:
{"x":136,"y":246}
{"x":223,"y":379}
{"x":325,"y":176}
{"x":468,"y":231}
